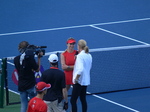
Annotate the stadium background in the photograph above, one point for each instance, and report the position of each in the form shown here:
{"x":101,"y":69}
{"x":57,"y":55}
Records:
{"x":122,"y":24}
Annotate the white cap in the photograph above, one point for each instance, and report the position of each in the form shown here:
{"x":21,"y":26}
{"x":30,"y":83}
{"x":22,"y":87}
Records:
{"x":53,"y":58}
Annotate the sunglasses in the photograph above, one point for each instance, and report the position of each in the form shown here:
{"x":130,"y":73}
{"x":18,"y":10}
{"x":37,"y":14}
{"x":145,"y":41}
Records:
{"x":72,"y":43}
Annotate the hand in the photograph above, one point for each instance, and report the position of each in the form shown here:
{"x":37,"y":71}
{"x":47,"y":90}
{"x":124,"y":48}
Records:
{"x":76,"y":81}
{"x":40,"y":54}
{"x":65,"y":106}
{"x":64,"y":66}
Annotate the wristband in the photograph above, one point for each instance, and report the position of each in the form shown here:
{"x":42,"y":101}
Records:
{"x":68,"y":67}
{"x":76,"y":80}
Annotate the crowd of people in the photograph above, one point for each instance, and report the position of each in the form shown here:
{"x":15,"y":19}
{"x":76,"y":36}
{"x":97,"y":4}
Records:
{"x":51,"y":93}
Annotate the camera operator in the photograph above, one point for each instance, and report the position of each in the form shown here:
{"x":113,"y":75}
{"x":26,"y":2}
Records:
{"x":26,"y":65}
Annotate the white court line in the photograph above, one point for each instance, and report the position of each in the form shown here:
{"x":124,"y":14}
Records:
{"x":114,"y":102}
{"x":62,"y":28}
{"x":11,"y":63}
{"x":119,"y":48}
{"x":119,"y":35}
{"x":13,"y":92}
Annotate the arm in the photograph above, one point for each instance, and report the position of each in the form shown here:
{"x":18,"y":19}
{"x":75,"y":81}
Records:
{"x":77,"y":78}
{"x":63,"y":64}
{"x":79,"y":68}
{"x":39,"y":61}
{"x":64,"y":91}
{"x":65,"y":96}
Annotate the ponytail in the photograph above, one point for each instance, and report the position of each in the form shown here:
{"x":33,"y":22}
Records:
{"x":86,"y":49}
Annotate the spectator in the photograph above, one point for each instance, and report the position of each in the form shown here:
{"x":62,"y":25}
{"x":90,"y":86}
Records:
{"x":81,"y":76}
{"x":67,"y":61}
{"x":36,"y":104}
{"x":55,"y":95}
{"x":26,"y":65}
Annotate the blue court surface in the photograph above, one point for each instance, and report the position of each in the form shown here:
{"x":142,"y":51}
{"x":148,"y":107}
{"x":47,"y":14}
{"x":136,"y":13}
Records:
{"x":104,"y":24}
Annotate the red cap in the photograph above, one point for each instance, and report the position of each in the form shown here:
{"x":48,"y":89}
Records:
{"x":71,"y":41}
{"x":41,"y":86}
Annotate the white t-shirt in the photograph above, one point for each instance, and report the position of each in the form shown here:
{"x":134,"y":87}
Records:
{"x":82,"y":67}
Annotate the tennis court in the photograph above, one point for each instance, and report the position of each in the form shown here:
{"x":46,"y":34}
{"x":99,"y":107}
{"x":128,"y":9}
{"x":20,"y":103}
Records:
{"x":117,"y":33}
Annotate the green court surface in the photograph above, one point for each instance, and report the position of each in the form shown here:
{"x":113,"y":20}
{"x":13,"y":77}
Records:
{"x":11,"y":108}
{"x":13,"y":97}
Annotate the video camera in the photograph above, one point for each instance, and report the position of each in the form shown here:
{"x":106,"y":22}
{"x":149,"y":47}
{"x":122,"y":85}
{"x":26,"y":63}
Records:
{"x":35,"y":50}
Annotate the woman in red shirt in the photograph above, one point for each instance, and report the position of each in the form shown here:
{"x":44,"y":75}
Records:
{"x":68,"y":60}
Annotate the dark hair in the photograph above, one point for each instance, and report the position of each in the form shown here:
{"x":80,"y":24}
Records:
{"x":23,"y":44}
{"x":39,"y":92}
{"x":54,"y":64}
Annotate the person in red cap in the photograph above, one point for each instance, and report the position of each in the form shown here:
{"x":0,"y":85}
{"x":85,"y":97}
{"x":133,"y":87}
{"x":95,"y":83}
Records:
{"x":36,"y":104}
{"x":68,"y":60}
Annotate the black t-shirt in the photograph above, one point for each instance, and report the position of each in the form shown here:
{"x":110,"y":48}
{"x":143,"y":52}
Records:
{"x":25,"y":72}
{"x":56,"y":78}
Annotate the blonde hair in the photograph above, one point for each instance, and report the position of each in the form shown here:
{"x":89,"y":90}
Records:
{"x":70,"y":38}
{"x":83,"y":45}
